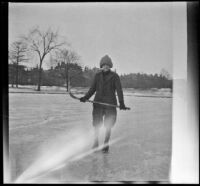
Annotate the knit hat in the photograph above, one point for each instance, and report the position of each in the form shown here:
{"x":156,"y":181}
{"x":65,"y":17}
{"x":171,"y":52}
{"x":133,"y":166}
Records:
{"x":106,"y":60}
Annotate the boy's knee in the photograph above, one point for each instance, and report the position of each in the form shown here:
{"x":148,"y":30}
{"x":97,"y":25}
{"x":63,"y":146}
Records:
{"x":109,"y":125}
{"x":97,"y":124}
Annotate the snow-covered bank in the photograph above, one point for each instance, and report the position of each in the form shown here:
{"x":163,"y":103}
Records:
{"x":164,"y":92}
{"x":33,"y":89}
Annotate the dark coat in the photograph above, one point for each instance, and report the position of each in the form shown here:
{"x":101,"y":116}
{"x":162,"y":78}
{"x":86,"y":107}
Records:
{"x":105,"y":88}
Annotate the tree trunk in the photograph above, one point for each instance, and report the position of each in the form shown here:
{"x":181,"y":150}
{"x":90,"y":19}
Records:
{"x":39,"y":80}
{"x":17,"y":74}
{"x":39,"y":76}
{"x":67,"y":77}
{"x":13,"y":79}
{"x":66,"y":83}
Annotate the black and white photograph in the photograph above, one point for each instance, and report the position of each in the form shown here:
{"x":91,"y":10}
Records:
{"x":98,"y":92}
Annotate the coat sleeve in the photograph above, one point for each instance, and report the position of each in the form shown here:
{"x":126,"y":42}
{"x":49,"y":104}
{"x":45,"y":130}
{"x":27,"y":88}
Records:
{"x":92,"y":89}
{"x":119,"y":89}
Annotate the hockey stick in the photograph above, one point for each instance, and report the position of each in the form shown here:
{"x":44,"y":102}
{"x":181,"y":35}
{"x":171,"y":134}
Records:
{"x":97,"y":102}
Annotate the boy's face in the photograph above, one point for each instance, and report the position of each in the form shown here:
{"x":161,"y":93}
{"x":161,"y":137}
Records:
{"x":105,"y":68}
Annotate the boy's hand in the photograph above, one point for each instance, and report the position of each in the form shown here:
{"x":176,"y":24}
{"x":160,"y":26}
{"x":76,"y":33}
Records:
{"x":83,"y":99}
{"x":122,"y":106}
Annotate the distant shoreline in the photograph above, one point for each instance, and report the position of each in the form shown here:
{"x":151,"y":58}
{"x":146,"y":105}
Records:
{"x":155,"y":93}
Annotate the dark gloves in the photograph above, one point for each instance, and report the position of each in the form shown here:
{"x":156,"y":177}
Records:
{"x":122,"y":106}
{"x":83,"y":99}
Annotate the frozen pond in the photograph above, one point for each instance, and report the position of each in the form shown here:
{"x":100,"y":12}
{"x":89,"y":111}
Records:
{"x":42,"y":126}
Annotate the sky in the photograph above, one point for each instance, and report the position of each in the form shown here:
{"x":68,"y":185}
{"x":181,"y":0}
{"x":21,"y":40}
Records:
{"x":139,"y":37}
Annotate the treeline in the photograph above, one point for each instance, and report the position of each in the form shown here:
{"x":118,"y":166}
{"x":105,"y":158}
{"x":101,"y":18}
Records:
{"x":81,"y":77}
{"x":145,"y":81}
{"x":66,"y":71}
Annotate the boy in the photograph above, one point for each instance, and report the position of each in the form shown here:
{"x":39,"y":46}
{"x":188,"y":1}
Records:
{"x":105,"y":84}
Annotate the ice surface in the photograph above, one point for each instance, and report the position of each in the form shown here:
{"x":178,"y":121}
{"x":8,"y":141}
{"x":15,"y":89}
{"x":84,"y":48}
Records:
{"x":42,"y":136}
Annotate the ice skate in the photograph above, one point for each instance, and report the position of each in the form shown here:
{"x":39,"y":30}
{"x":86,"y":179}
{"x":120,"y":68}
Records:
{"x":105,"y":149}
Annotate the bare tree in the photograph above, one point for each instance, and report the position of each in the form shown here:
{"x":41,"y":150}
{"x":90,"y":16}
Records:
{"x":17,"y":54}
{"x":165,"y":74}
{"x":42,"y":43}
{"x":67,"y":57}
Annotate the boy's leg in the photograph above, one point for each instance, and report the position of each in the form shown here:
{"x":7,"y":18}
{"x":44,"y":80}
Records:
{"x":97,"y":123}
{"x":107,"y":138}
{"x":109,"y":121}
{"x":96,"y":136}
{"x":107,"y":135}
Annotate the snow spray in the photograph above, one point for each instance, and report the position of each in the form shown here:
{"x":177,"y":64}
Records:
{"x":70,"y":146}
{"x":56,"y":151}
